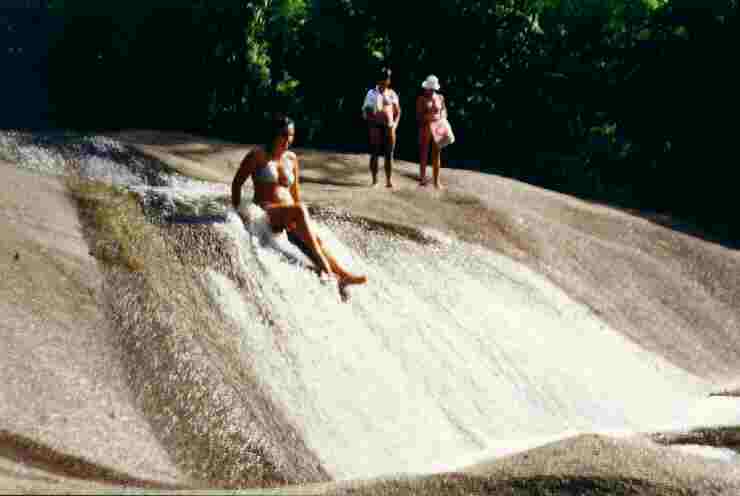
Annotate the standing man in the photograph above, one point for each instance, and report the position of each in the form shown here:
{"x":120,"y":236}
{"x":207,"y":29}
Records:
{"x":382,"y":111}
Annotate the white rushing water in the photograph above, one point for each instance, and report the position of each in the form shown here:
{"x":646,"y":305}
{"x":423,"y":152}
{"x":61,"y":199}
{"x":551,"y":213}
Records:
{"x":449,"y":354}
{"x":722,"y":454}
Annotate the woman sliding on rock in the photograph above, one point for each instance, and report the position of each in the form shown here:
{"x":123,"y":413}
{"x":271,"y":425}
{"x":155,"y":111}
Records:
{"x":275,"y":172}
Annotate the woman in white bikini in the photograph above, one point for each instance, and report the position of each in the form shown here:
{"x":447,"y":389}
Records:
{"x":275,"y":172}
{"x":430,"y":107}
{"x":382,"y":111}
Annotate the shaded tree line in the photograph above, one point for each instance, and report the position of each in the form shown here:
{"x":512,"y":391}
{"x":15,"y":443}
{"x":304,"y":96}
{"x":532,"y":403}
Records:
{"x":25,"y":29}
{"x":624,"y":100}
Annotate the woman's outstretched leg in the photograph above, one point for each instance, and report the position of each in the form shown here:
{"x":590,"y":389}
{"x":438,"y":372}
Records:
{"x":345,"y":278}
{"x":297,"y":216}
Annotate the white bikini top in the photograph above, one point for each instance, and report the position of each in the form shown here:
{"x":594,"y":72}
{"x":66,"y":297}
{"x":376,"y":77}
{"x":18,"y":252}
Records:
{"x":375,"y":99}
{"x":269,"y":172}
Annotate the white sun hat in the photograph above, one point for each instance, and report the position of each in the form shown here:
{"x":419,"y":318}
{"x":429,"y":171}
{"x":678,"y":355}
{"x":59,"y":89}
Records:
{"x":431,"y":83}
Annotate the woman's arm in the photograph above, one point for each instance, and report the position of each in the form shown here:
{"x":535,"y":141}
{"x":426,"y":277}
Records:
{"x":443,"y":112}
{"x":369,"y":106}
{"x":420,"y":110}
{"x":295,"y":189}
{"x":246,"y":168}
{"x":397,"y":110}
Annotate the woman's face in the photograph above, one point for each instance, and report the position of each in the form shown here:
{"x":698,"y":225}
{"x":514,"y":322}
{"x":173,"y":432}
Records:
{"x":288,"y":136}
{"x":428,"y":92}
{"x":384,"y":83}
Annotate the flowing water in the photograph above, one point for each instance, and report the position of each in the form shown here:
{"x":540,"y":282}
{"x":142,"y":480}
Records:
{"x":451,"y":352}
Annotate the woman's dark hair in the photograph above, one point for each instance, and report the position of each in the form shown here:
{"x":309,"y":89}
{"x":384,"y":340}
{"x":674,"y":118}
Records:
{"x":383,"y":74}
{"x":278,"y":127}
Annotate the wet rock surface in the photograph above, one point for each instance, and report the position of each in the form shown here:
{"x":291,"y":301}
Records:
{"x":79,"y":412}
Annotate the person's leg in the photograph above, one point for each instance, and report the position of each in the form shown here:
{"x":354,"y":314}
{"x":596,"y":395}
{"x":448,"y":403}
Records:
{"x":374,"y":167}
{"x":390,"y":146}
{"x":298,"y":242}
{"x":345,"y":278}
{"x":424,"y":138}
{"x":375,"y":141}
{"x":436,"y":164}
{"x":285,"y":215}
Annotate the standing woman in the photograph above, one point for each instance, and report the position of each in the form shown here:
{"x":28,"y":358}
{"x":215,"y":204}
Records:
{"x":275,"y":174}
{"x":430,"y":108}
{"x":382,"y":110}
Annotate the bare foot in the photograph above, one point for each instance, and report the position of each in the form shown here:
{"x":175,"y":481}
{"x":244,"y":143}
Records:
{"x":438,"y":186}
{"x":423,"y":182}
{"x":343,"y":293}
{"x":346,"y":281}
{"x":350,"y":279}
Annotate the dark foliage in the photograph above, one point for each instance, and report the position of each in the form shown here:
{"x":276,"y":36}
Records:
{"x":628,"y":101}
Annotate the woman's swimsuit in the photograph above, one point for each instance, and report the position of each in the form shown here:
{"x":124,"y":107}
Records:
{"x":279,"y":173}
{"x":434,"y":107}
{"x":387,"y":98}
{"x":269,"y":173}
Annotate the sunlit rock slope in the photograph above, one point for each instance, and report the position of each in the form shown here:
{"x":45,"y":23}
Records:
{"x":507,"y":334}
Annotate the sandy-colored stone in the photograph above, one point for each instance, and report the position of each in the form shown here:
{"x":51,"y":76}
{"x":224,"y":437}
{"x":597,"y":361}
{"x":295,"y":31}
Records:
{"x":62,"y":383}
{"x":64,"y":388}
